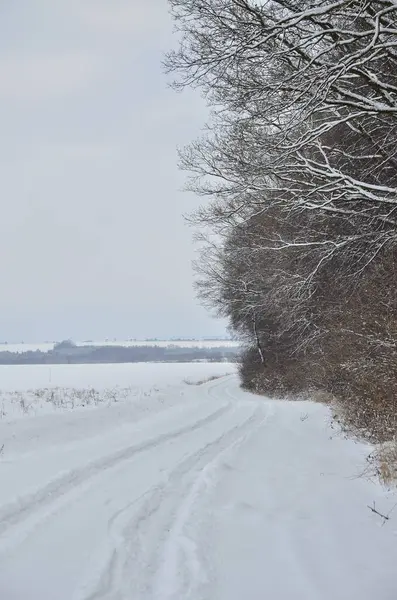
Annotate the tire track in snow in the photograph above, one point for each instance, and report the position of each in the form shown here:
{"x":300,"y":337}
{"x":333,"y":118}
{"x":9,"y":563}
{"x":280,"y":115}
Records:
{"x":136,"y":565}
{"x":39,"y":504}
{"x":169,"y":585}
{"x":138,"y":529}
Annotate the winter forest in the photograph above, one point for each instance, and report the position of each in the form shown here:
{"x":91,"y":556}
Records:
{"x":297,"y":171}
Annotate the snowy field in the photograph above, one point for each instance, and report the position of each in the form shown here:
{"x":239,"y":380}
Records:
{"x":37,"y":389}
{"x":179,"y":491}
{"x":46,"y":346}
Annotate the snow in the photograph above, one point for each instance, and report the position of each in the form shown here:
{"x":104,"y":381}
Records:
{"x":188,"y":492}
{"x":24,"y":377}
{"x":38,"y":389}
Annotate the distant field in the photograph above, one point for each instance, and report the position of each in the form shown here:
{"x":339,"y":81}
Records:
{"x":101,"y":376}
{"x":44,"y":347}
{"x":29,"y":390}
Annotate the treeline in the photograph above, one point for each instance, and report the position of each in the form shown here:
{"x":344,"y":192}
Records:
{"x":120,"y":354}
{"x":298,"y":174}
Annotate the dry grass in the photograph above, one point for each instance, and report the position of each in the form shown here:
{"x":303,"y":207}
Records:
{"x":59,"y":398}
{"x":206,"y":380}
{"x":385,"y":461}
{"x":322,"y":397}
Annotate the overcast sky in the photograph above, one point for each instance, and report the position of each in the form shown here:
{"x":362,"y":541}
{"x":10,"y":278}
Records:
{"x":92,"y":239}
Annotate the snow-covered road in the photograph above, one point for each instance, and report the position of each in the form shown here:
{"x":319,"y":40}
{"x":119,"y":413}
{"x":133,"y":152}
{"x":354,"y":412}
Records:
{"x":218,"y":496}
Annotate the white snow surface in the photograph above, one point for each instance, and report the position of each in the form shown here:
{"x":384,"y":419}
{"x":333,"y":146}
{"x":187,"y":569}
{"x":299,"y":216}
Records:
{"x":37,"y":389}
{"x":200,"y":492}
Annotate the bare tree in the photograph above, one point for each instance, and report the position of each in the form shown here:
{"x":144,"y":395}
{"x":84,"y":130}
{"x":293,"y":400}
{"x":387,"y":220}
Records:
{"x":288,"y":81}
{"x":298,"y":174}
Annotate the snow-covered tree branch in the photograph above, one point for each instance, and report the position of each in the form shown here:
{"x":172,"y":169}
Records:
{"x":298,"y":175}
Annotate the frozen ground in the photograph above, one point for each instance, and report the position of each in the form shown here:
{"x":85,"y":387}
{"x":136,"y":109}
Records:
{"x":189,"y":492}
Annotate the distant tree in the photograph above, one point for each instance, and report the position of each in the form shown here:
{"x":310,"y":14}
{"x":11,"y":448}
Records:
{"x":64,"y":345}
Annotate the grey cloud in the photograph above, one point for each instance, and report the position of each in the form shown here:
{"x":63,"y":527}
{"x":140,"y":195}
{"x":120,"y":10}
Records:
{"x":92,"y":235}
